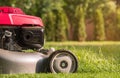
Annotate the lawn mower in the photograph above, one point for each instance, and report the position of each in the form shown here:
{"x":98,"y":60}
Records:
{"x":20,"y":32}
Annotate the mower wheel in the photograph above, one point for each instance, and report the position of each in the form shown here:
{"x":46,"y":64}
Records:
{"x":62,"y":61}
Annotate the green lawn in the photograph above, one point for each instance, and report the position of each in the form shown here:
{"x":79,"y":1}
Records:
{"x":96,"y":60}
{"x":75,"y":75}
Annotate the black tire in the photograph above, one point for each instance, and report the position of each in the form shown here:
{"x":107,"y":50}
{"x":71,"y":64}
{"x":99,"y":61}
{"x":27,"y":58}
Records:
{"x":62,"y":61}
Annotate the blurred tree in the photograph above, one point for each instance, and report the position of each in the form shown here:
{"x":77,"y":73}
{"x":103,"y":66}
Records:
{"x":76,"y":29}
{"x":49,"y":26}
{"x":55,"y":26}
{"x":61,"y":24}
{"x":99,"y":25}
{"x":118,"y":17}
{"x":110,"y":16}
{"x":80,"y":31}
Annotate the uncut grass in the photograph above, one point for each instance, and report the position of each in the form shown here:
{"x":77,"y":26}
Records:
{"x":103,"y":58}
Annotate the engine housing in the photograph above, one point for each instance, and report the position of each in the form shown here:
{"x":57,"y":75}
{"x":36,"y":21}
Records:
{"x":19,"y":38}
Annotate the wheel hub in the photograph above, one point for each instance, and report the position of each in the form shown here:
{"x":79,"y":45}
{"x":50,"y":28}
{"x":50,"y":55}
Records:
{"x":63,"y":64}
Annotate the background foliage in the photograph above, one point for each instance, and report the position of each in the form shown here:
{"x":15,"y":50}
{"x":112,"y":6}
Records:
{"x":74,"y":19}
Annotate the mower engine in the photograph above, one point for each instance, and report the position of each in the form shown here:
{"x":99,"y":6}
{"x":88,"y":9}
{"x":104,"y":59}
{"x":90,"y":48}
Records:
{"x":19,"y":38}
{"x":19,"y":31}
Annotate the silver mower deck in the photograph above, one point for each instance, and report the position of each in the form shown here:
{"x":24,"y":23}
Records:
{"x":59,"y":61}
{"x":20,"y":62}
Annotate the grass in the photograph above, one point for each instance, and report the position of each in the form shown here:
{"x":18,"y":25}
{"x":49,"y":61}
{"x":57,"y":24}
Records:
{"x":75,"y":75}
{"x":96,"y":60}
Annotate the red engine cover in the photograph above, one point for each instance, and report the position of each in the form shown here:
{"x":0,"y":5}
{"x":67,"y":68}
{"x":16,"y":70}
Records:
{"x":16,"y":17}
